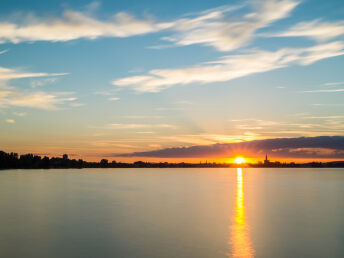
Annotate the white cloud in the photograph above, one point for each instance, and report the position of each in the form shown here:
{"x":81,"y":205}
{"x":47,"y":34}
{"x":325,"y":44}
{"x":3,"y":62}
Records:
{"x":214,"y":28}
{"x":74,"y":25}
{"x":317,"y":29}
{"x":230,"y":67}
{"x":318,"y":52}
{"x":9,"y":74}
{"x":333,"y":83}
{"x":3,"y":51}
{"x":327,"y":105}
{"x":324,"y":91}
{"x":10,"y":96}
{"x":10,"y":121}
{"x":161,"y":46}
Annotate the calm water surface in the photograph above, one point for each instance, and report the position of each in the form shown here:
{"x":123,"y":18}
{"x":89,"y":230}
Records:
{"x":172,"y":213}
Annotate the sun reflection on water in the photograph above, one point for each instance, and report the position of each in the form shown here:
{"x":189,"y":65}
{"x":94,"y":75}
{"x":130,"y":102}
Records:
{"x":240,"y":239}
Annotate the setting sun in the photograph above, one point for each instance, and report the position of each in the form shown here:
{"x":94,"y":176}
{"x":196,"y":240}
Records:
{"x":240,"y":160}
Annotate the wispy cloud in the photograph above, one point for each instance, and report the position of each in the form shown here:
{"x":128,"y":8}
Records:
{"x":333,"y":83}
{"x":10,"y":96}
{"x":211,"y":27}
{"x":3,"y":51}
{"x":9,"y":74}
{"x":111,"y":94}
{"x":327,"y":104}
{"x":214,"y":27}
{"x":230,"y":67}
{"x":299,"y":125}
{"x":161,"y":46}
{"x":317,"y":29}
{"x":74,"y":25}
{"x":324,"y":91}
{"x":10,"y":121}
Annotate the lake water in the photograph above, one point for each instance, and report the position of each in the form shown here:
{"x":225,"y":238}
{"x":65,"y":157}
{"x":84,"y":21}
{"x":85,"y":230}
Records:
{"x":172,"y":213}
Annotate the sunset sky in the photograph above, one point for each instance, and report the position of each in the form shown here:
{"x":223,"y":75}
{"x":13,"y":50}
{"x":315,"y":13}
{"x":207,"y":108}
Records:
{"x":113,"y":78}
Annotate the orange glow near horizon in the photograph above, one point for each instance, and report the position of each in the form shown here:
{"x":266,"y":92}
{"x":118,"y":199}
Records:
{"x":250,"y":157}
{"x":240,"y":239}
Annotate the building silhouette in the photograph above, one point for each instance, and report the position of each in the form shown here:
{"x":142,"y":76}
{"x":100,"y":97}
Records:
{"x":32,"y":161}
{"x":266,"y":161}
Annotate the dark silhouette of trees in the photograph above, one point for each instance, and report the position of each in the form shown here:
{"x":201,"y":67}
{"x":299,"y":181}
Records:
{"x":11,"y":160}
{"x":8,"y":160}
{"x":31,"y":161}
{"x":104,"y":163}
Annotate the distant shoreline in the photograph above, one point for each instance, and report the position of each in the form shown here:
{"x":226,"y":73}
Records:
{"x":4,"y":169}
{"x":31,"y":161}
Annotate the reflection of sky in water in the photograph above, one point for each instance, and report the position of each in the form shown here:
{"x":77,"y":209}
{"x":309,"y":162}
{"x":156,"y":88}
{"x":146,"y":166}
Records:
{"x":261,"y":212}
{"x":240,"y":239}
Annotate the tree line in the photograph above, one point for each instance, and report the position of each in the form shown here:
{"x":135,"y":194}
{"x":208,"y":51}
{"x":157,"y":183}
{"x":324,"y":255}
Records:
{"x":30,"y":161}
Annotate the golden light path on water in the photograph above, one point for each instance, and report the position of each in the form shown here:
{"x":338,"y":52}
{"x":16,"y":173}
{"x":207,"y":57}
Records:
{"x":240,"y":239}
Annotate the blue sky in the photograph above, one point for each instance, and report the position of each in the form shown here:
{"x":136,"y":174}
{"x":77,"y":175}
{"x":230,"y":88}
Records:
{"x":93,"y":78}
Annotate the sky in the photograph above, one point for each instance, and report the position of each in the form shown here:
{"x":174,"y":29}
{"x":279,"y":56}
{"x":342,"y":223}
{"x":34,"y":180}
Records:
{"x":129,"y":80}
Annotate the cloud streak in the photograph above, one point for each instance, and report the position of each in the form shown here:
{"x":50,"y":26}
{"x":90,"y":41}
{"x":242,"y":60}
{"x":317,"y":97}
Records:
{"x":12,"y":97}
{"x":317,"y":30}
{"x":10,"y":121}
{"x":230,"y":67}
{"x":211,"y":28}
{"x":324,"y":91}
{"x":10,"y":74}
{"x":3,"y":51}
{"x":333,"y":83}
{"x":75,"y":25}
{"x":217,"y":29}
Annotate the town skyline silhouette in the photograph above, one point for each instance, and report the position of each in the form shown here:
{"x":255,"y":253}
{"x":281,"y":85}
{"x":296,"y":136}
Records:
{"x":30,"y":161}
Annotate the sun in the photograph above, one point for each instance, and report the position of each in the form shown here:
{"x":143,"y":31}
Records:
{"x":239,"y":160}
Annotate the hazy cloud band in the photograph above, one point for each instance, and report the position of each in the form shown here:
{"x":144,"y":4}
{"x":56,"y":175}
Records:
{"x":303,"y":147}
